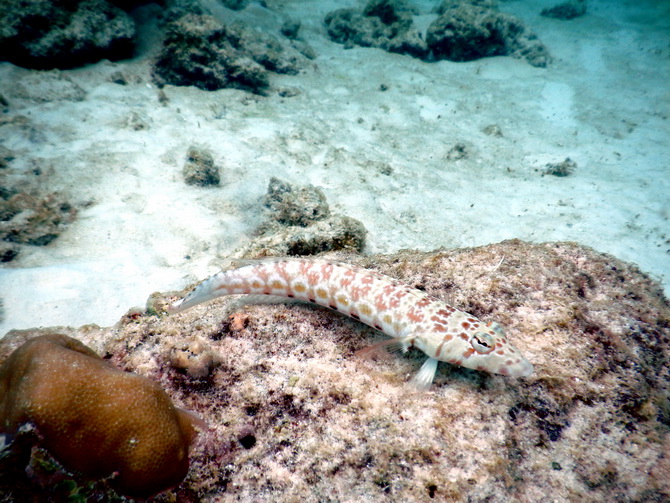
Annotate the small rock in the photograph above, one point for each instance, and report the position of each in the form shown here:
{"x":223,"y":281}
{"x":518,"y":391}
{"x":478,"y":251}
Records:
{"x":34,"y":220}
{"x":199,"y":168}
{"x":192,"y":356}
{"x":566,"y":11}
{"x":8,"y":251}
{"x":300,"y":223}
{"x":457,"y":152}
{"x":290,"y":28}
{"x":291,"y":206}
{"x":565,"y":168}
{"x":118,"y":77}
{"x":235,"y":4}
{"x":493,"y":130}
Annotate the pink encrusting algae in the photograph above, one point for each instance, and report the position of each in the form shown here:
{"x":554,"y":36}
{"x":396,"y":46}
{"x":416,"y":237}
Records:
{"x":410,"y":316}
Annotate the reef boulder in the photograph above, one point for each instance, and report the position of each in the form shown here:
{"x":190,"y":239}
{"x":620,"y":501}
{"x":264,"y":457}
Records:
{"x":46,"y":34}
{"x":468,"y":31}
{"x":293,"y":414}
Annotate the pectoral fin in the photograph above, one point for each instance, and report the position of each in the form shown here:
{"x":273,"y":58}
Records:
{"x":424,"y":377}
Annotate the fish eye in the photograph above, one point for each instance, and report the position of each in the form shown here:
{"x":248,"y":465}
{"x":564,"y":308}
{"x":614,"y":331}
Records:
{"x":482,"y":343}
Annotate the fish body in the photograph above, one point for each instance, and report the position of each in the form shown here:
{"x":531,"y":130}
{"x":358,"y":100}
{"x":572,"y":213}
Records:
{"x":411,"y":317}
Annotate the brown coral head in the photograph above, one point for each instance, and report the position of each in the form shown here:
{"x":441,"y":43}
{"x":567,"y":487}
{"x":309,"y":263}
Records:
{"x":95,"y":419}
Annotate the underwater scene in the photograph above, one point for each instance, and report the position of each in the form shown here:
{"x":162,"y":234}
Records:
{"x":335,"y":251}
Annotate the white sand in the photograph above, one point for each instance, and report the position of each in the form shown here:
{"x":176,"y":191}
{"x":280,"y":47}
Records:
{"x":604,"y":102}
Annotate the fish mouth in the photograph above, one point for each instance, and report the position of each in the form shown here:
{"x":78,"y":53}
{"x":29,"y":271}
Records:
{"x":522,"y":369}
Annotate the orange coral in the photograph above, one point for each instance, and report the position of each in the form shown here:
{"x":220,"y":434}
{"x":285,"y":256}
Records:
{"x":95,"y":419}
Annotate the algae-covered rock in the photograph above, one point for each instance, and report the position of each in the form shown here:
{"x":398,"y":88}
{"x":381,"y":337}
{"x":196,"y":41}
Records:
{"x":197,"y":52}
{"x":299,"y":222}
{"x":199,"y":168}
{"x":200,"y":51}
{"x":30,"y":214}
{"x":463,"y":31}
{"x":566,"y":10}
{"x":295,"y":415}
{"x":386,"y":24}
{"x":289,"y":205}
{"x":34,"y":219}
{"x":45,"y":34}
{"x":468,"y":31}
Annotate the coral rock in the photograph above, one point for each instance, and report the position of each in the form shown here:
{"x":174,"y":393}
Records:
{"x":300,"y":223}
{"x":294,"y":416}
{"x":387,"y":25}
{"x":566,"y":10}
{"x":472,"y":31}
{"x":44,"y":34}
{"x":200,"y":51}
{"x":76,"y":400}
{"x":199,"y":168}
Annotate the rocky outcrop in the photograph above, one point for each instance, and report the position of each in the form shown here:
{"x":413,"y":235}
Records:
{"x":293,"y":414}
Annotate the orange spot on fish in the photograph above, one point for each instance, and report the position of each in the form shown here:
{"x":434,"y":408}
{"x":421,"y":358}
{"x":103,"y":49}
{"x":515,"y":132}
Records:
{"x":423,"y":302}
{"x":304,"y":267}
{"x":439,"y":350}
{"x":262,"y":273}
{"x":367,"y":280}
{"x":380,"y":304}
{"x":415,"y":314}
{"x":280,"y":269}
{"x":327,"y":271}
{"x":312,"y":278}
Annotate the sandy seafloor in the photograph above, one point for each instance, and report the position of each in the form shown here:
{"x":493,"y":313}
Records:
{"x":603,"y":102}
